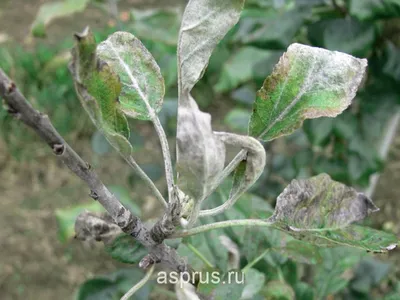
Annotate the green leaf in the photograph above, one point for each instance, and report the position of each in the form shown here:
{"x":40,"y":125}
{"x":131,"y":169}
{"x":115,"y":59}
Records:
{"x":307,"y":83}
{"x":254,"y":282}
{"x":277,"y":290}
{"x":98,"y":88}
{"x":301,"y":252}
{"x":374,"y":9}
{"x":240,"y":67}
{"x":141,"y":80}
{"x":369,"y":273}
{"x":53,"y":10}
{"x":238,"y":119}
{"x":66,"y":219}
{"x":161,"y":25}
{"x":265,"y":28}
{"x":114,"y":286}
{"x":125,"y":249}
{"x":318,"y":130}
{"x":303,"y":291}
{"x":346,"y":35}
{"x":204,"y":24}
{"x":230,"y":287}
{"x":123,"y":195}
{"x":330,"y":276}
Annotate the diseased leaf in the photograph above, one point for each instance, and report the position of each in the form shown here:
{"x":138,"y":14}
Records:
{"x":66,"y":219}
{"x":200,"y":153}
{"x":142,"y":86}
{"x":319,"y":210}
{"x":53,"y":10}
{"x":320,"y":203}
{"x":98,"y":88}
{"x":307,"y":83}
{"x":204,"y":24}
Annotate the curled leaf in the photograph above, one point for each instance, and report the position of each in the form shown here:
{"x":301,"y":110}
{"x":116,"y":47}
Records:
{"x":247,"y":172}
{"x":204,"y":24}
{"x":307,"y":83}
{"x":320,"y":203}
{"x":200,"y":153}
{"x":98,"y":88}
{"x":98,"y":227}
{"x":142,"y":86}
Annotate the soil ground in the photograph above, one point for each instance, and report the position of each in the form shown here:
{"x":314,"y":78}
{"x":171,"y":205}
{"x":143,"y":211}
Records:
{"x":33,"y":262}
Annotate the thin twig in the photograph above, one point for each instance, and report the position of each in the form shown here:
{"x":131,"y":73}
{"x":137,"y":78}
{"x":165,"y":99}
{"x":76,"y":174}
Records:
{"x":219,"y":225}
{"x":21,"y":109}
{"x":169,"y":173}
{"x":139,"y":285}
{"x":131,"y":161}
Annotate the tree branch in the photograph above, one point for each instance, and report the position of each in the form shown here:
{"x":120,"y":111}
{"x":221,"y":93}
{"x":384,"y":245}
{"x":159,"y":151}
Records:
{"x":21,"y":109}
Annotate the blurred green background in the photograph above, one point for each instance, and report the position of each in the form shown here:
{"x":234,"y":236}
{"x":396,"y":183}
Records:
{"x":38,"y":258}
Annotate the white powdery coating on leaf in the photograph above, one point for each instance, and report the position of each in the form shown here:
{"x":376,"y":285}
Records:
{"x":127,"y":56}
{"x":204,"y":24}
{"x":201,"y":153}
{"x":331,"y":71}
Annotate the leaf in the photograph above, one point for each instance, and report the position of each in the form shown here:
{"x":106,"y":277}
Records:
{"x":53,"y":10}
{"x":125,"y":249}
{"x":277,"y":290}
{"x":161,"y":25}
{"x":114,"y":286}
{"x":98,"y":88}
{"x":320,"y":203}
{"x":307,"y":83}
{"x":238,"y":119}
{"x":318,"y":130}
{"x":301,"y":252}
{"x":231,"y":288}
{"x":264,"y":28}
{"x":204,"y":24}
{"x":240,"y":67}
{"x":303,"y":291}
{"x":332,"y":275}
{"x":254,"y":283}
{"x":200,"y":153}
{"x":372,"y":9}
{"x":319,"y":210}
{"x":346,"y":35}
{"x":142,"y":85}
{"x":66,"y":219}
{"x":369,"y":273}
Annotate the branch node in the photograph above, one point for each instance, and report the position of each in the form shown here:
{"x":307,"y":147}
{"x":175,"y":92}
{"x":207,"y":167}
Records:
{"x":146,"y":262}
{"x":58,"y":149}
{"x":11,"y":87}
{"x":94,"y":195}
